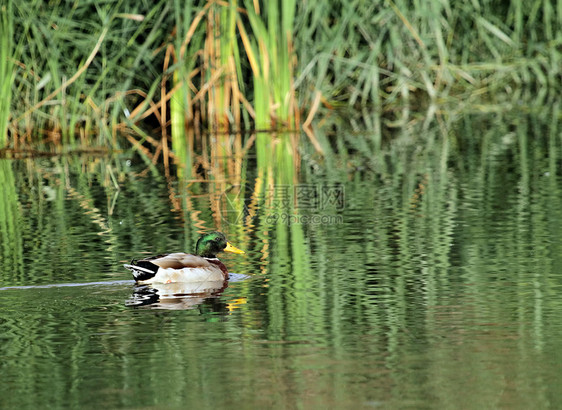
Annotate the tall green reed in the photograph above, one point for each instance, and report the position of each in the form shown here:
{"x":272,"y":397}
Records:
{"x":270,"y":52}
{"x":219,"y":70}
{"x":6,"y":68}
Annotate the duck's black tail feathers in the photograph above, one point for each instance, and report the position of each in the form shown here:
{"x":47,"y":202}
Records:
{"x":142,"y":270}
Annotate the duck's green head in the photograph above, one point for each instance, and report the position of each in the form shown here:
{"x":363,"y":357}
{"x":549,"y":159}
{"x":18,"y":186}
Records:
{"x":212,"y":243}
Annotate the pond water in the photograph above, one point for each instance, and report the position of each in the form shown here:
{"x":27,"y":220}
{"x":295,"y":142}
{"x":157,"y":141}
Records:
{"x":424,"y":273}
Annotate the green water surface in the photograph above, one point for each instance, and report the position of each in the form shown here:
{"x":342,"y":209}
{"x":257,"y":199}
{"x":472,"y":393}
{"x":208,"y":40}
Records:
{"x":435,"y":281}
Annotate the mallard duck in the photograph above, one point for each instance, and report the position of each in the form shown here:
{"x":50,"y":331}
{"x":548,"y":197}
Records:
{"x":204,"y":266}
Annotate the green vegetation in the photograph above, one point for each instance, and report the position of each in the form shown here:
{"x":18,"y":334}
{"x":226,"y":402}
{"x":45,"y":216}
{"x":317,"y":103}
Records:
{"x":403,"y":51}
{"x":6,"y":70}
{"x":143,"y":74}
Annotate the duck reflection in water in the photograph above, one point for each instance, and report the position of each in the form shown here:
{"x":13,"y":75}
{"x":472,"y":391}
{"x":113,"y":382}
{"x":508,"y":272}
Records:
{"x":179,"y":296}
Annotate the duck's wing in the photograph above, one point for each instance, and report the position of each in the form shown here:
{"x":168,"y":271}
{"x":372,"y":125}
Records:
{"x":146,"y":269}
{"x":179,"y":261}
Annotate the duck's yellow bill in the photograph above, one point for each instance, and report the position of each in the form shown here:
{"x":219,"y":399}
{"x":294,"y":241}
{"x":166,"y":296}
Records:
{"x":233,"y":249}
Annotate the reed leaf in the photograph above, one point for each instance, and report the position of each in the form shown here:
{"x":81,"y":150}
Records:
{"x":6,"y":69}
